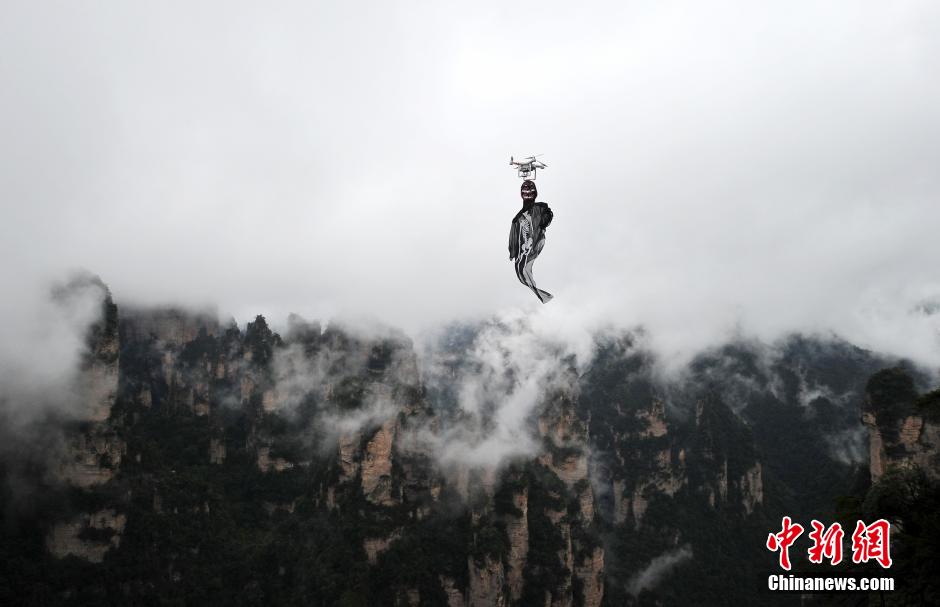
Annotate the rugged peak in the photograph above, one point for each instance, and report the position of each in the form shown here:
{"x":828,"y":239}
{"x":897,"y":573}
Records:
{"x":890,"y":392}
{"x":902,"y":426}
{"x":300,"y":330}
{"x":168,"y":325}
{"x":260,"y":340}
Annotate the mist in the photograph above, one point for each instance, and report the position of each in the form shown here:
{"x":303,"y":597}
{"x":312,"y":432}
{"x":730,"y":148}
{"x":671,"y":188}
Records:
{"x":498,"y":385}
{"x":41,"y":353}
{"x":714,"y":170}
{"x":657,"y":570}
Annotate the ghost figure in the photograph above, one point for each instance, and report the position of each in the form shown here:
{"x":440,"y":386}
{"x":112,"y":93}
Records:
{"x":527,"y":237}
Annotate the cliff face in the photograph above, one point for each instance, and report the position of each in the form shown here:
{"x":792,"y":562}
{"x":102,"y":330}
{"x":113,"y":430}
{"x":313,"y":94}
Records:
{"x":747,"y":433}
{"x":169,"y":326}
{"x":315,"y":462}
{"x":642,"y":456}
{"x":88,"y":536}
{"x":91,"y":457}
{"x":903,"y":428}
{"x":904,"y":472}
{"x":96,"y":385}
{"x":92,"y":449}
{"x":328,"y":428}
{"x":487,"y":583}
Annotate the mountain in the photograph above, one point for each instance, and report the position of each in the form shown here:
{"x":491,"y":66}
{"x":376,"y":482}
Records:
{"x":210,"y":463}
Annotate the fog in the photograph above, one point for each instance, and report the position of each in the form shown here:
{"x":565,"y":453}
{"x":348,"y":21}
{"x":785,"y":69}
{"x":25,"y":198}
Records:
{"x":657,"y":570}
{"x":713,"y":168}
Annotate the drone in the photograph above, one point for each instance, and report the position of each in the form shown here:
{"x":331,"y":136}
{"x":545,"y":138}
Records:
{"x":527,"y":166}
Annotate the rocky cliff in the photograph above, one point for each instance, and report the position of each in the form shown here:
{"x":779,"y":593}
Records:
{"x":903,"y":427}
{"x":92,"y":447}
{"x":902,"y":482}
{"x":332,"y":466}
{"x":327,"y":427}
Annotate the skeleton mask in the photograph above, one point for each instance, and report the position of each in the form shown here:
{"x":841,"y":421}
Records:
{"x":529,"y":192}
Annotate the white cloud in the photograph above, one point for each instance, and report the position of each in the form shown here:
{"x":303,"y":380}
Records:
{"x":658,"y":569}
{"x":41,"y":345}
{"x":513,"y":367}
{"x":713,"y":166}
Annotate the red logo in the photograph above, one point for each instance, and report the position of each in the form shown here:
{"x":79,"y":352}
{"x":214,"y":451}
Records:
{"x":869,"y":542}
{"x":783,"y":540}
{"x":872,"y":542}
{"x":826,"y":544}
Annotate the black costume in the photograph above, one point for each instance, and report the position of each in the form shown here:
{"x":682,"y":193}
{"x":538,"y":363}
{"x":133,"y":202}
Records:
{"x":527,"y":237}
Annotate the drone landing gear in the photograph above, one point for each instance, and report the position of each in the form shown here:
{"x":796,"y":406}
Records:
{"x":524,"y":174}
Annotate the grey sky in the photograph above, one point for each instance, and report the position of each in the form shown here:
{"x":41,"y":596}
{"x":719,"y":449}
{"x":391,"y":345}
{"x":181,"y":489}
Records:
{"x":712,"y":166}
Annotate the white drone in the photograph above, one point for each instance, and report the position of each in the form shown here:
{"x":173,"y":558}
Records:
{"x":527,"y":166}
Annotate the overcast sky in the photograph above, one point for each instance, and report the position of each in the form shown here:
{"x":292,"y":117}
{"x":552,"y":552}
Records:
{"x":713,"y":166}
